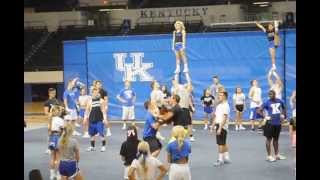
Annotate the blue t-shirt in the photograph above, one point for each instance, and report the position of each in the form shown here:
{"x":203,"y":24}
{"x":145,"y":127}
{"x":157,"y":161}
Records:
{"x":149,"y":131}
{"x":71,"y":97}
{"x":128,"y":95}
{"x":274,"y":109}
{"x":176,"y":153}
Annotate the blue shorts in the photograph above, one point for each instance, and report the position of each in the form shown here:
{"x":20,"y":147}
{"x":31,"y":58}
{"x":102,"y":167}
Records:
{"x":208,"y":109}
{"x":95,"y":128}
{"x":68,"y":168}
{"x":254,"y":114}
{"x":272,"y":45}
{"x":53,"y":141}
{"x":178,"y":46}
{"x":81,"y":112}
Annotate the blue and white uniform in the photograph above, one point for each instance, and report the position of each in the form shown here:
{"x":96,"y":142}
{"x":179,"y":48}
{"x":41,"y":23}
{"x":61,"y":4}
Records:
{"x":178,"y":44}
{"x":270,"y":35}
{"x":71,"y":97}
{"x":57,"y":124}
{"x":83,"y":100}
{"x":128,"y":107}
{"x":256,"y":102}
{"x":149,"y":133}
{"x":68,"y":165}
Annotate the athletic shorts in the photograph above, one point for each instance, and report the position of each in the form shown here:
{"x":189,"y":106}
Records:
{"x":186,"y":117}
{"x":178,"y":46}
{"x":179,"y":171}
{"x":72,"y":115}
{"x":95,"y":128}
{"x":222,"y":138}
{"x":53,"y":141}
{"x":240,"y":107}
{"x":81,"y":112}
{"x":128,"y":113}
{"x":254,"y":115}
{"x":208,"y":109}
{"x":271,"y":131}
{"x":154,"y":143}
{"x":68,"y":168}
{"x":272,"y":45}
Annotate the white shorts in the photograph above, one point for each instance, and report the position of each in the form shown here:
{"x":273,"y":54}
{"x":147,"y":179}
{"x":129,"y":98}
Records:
{"x":128,"y":113}
{"x":72,"y":115}
{"x":179,"y":171}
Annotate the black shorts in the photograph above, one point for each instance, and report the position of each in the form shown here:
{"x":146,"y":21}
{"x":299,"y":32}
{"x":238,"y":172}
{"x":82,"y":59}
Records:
{"x":271,"y":131}
{"x":186,"y":117}
{"x":222,"y":138}
{"x":293,"y":123}
{"x":154,"y":143}
{"x":240,"y":107}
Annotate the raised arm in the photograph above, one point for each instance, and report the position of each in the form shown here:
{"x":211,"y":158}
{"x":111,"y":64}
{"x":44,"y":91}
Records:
{"x":278,"y":79}
{"x":270,"y":82}
{"x":260,"y":26}
{"x":276,"y":26}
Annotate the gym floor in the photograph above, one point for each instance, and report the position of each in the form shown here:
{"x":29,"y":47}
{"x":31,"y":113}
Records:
{"x":247,"y":152}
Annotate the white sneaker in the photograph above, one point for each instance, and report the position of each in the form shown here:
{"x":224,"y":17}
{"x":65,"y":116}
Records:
{"x":77,"y":125}
{"x":227,"y":161}
{"x":192,"y":139}
{"x":103,"y":149}
{"x":280,"y":157}
{"x":193,"y":130}
{"x":205,"y":127}
{"x":186,"y":69}
{"x":91,"y":149}
{"x":108,"y":133}
{"x":52,"y":174}
{"x":237,"y":129}
{"x":48,"y":151}
{"x":86,"y":135}
{"x":177,"y":70}
{"x":124,"y":127}
{"x":271,"y":159}
{"x":218,"y":163}
{"x":76,"y":133}
{"x":159,"y":136}
{"x":242,"y":128}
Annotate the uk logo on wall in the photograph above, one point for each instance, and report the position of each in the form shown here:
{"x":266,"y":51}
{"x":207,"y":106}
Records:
{"x":135,"y":71}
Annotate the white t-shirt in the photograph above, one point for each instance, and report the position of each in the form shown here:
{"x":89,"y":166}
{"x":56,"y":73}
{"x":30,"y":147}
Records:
{"x":152,"y":164}
{"x":256,"y":96}
{"x":239,"y":98}
{"x":56,"y":123}
{"x":184,"y":95}
{"x":83,"y":100}
{"x":222,"y":110}
{"x":278,"y":90}
{"x":157,"y":96}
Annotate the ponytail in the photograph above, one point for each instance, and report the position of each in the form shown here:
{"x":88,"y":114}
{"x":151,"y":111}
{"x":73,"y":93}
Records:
{"x":179,"y":134}
{"x":65,"y":137}
{"x":143,"y":153}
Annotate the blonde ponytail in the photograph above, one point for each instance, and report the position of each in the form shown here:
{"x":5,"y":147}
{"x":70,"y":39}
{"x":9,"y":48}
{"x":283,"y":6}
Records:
{"x":179,"y":134}
{"x":144,"y":152}
{"x":65,"y":137}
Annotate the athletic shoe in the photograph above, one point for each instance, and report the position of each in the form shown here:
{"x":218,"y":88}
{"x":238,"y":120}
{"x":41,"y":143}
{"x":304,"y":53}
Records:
{"x":237,"y":129}
{"x":205,"y":127}
{"x":280,"y":157}
{"x":91,"y":149}
{"x":218,"y":163}
{"x":177,"y":70}
{"x":242,"y":128}
{"x":271,"y":159}
{"x":103,"y":149}
{"x":86,"y":135}
{"x":193,"y":130}
{"x":108,"y":133}
{"x":227,"y":161}
{"x":52,"y":174}
{"x":252,"y":129}
{"x":124,"y":127}
{"x":192,"y":139}
{"x":76,"y":133}
{"x":48,"y":151}
{"x":186,"y":69}
{"x":77,"y":125}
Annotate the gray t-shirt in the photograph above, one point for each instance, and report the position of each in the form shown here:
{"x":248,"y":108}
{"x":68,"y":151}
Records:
{"x":69,"y":152}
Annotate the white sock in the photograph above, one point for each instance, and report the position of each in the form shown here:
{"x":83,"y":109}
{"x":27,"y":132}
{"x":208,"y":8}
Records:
{"x":52,"y":172}
{"x":220,"y":157}
{"x":226,"y":155}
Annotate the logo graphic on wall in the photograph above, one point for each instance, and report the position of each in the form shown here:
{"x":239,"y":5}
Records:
{"x":134,"y":69}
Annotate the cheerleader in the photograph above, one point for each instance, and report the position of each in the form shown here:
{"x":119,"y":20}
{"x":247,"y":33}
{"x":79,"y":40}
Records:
{"x":207,"y":101}
{"x":179,"y":45}
{"x":239,"y":104}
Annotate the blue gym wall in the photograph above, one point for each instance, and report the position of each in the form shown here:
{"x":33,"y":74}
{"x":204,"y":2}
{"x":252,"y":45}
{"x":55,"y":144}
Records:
{"x":236,"y":57}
